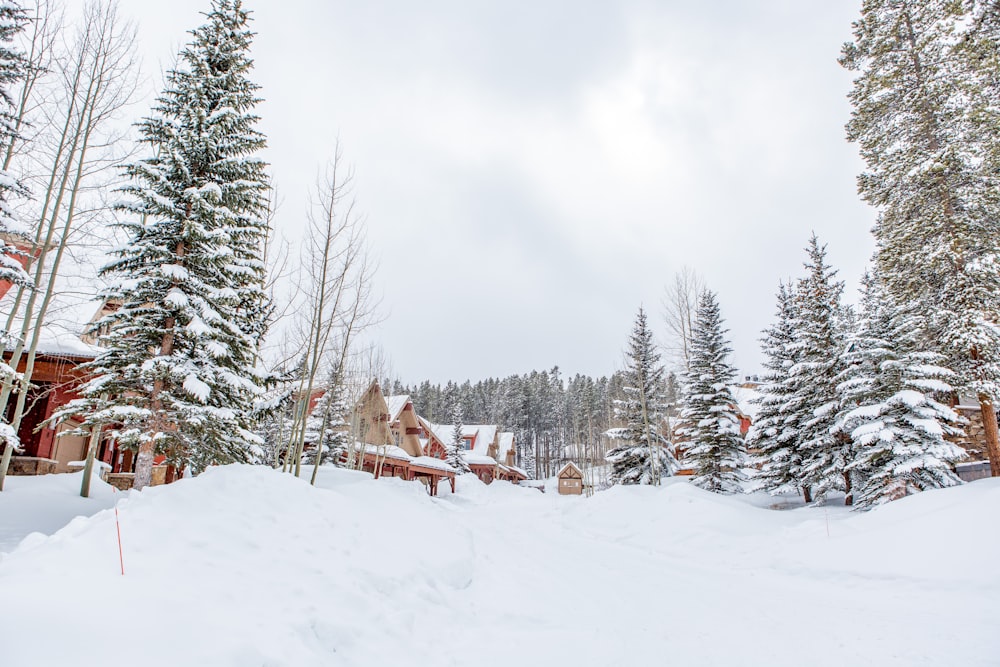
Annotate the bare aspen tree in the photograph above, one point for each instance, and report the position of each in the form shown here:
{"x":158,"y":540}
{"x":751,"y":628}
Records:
{"x":94,"y":79}
{"x":680,"y":303}
{"x":336,"y":283}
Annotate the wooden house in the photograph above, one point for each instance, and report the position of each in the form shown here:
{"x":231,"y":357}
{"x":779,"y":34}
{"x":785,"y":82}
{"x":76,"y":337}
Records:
{"x":570,"y":480}
{"x":390,"y":440}
{"x":507,"y":459}
{"x":55,"y":381}
{"x":16,"y":248}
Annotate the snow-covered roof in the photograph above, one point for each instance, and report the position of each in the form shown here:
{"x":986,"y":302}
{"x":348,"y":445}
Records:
{"x":519,"y":471}
{"x":745,"y":401}
{"x":396,"y":405}
{"x":569,"y":465}
{"x":57,"y":341}
{"x":431,"y":462}
{"x":388,"y":451}
{"x":441,"y":431}
{"x":506,"y":444}
{"x":486,"y":434}
{"x":473,"y":458}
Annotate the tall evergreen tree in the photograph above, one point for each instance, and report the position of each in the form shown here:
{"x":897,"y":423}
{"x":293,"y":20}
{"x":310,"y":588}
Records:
{"x":926,"y":112}
{"x":888,"y":408}
{"x":774,"y":434}
{"x":812,"y":382}
{"x":179,"y":360}
{"x":644,"y":455}
{"x":13,"y":68}
{"x":710,"y":430}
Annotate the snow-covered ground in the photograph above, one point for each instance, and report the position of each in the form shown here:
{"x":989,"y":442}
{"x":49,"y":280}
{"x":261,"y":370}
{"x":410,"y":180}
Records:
{"x":245,"y":566}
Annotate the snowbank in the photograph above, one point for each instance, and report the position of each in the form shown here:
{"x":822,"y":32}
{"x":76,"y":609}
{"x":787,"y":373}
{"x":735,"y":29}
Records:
{"x":246,"y":566}
{"x":47,"y":503}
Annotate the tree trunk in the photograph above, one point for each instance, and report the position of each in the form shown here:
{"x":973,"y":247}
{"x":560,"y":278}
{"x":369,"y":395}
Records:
{"x":992,"y":437}
{"x":849,"y":489}
{"x":144,"y":465}
{"x":807,"y":494}
{"x":88,"y":468}
{"x":8,"y":451}
{"x":144,"y":459}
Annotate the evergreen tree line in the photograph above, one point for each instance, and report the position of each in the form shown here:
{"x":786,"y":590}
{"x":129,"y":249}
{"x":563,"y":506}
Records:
{"x":853,"y":402}
{"x":858,"y":401}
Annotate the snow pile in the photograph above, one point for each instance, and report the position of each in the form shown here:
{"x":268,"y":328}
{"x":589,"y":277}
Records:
{"x":246,"y":566}
{"x":47,"y":503}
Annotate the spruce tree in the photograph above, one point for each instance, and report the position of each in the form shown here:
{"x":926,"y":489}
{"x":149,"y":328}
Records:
{"x":926,"y":112}
{"x":709,"y":431}
{"x":817,"y":344}
{"x":13,"y":68}
{"x":454,"y":457}
{"x":178,"y":367}
{"x":326,"y":425}
{"x":888,"y":409}
{"x":644,"y":455}
{"x":773,"y":436}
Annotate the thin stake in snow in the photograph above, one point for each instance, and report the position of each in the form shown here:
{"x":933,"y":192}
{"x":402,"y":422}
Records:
{"x":118,"y":529}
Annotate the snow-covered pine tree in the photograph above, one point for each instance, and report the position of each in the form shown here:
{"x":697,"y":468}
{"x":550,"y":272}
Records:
{"x":13,"y":66}
{"x":709,"y":430}
{"x":180,"y":355}
{"x":326,"y":426}
{"x":817,"y":344}
{"x":888,"y":408}
{"x":773,"y":436}
{"x":926,"y":108}
{"x":644,"y":455}
{"x":454,"y":456}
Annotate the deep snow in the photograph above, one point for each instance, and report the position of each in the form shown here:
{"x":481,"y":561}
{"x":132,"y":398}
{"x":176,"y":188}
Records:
{"x":246,"y":566}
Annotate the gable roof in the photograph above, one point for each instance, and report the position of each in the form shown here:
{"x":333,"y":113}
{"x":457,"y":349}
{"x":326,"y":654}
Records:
{"x":484,"y":434}
{"x":746,"y":401}
{"x":395,"y":404}
{"x":506,"y":444}
{"x":570,"y":467}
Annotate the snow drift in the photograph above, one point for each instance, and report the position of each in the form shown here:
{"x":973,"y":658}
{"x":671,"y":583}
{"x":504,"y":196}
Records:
{"x":246,"y":566}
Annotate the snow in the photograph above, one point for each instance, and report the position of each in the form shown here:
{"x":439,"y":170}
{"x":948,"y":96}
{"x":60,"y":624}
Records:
{"x":387,"y":451}
{"x":487,"y":434}
{"x":746,"y":400}
{"x":198,"y":389}
{"x":478,"y":459}
{"x":248,"y":566}
{"x":39,"y":506}
{"x":431,"y":462}
{"x":506,"y":444}
{"x":396,"y":405}
{"x":58,"y":341}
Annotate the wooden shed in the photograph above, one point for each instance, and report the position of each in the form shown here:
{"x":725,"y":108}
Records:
{"x":570,"y":480}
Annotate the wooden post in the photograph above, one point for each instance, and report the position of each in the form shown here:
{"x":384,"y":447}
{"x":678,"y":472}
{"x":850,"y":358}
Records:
{"x":991,"y":432}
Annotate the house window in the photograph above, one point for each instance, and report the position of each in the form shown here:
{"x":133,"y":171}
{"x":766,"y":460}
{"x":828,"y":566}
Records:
{"x":466,"y":443}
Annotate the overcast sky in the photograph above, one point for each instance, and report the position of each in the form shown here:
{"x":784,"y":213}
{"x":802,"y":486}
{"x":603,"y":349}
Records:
{"x":532,"y":172}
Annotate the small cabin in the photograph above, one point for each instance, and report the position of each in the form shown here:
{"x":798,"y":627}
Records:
{"x":570,"y":480}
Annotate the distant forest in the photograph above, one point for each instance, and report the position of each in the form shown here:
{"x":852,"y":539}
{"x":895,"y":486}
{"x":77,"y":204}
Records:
{"x":554,"y":419}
